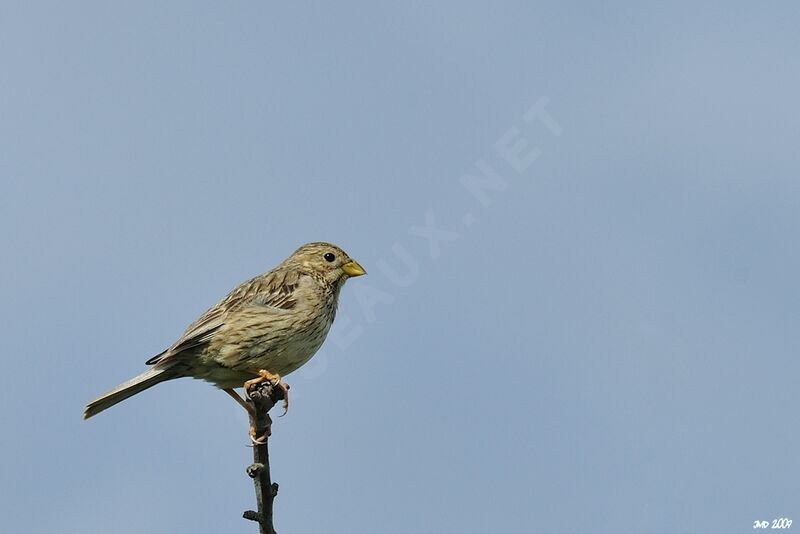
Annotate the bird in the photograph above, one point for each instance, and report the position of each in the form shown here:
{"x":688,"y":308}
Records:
{"x":264,"y":329}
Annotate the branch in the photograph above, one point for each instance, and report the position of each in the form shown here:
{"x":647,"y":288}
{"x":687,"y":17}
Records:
{"x":263,"y":397}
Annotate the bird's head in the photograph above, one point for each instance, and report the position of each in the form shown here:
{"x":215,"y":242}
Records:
{"x":326,"y":262}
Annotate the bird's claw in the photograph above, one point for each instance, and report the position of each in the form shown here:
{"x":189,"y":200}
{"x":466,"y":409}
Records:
{"x":284,"y":389}
{"x":257,"y":440}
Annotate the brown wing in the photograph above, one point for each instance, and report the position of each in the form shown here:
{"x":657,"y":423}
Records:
{"x":275,"y":289}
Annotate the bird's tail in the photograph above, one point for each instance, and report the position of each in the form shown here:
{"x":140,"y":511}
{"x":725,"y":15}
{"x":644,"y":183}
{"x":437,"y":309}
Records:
{"x":149,"y":378}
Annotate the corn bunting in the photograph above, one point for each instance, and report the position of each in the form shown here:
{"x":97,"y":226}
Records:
{"x":264,"y":329}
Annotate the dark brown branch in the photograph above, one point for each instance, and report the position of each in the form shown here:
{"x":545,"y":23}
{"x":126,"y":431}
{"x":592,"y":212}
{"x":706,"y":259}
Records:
{"x":263,"y":397}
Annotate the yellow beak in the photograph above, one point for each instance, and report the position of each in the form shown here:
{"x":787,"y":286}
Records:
{"x":352,"y":268}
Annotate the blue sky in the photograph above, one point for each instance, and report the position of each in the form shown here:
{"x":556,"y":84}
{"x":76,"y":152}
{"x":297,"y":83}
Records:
{"x":576,"y":319}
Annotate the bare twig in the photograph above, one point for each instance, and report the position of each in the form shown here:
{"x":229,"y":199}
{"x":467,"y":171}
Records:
{"x":263,"y":397}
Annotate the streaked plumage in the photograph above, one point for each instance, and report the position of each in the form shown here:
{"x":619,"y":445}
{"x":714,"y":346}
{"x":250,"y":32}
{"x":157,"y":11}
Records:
{"x":273,"y":322}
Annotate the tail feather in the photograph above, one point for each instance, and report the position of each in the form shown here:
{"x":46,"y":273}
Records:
{"x":135,"y":385}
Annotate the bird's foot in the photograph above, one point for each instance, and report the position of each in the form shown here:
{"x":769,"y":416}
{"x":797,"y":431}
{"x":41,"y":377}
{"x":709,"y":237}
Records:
{"x":275,"y":380}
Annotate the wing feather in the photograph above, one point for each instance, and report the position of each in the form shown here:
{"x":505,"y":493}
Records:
{"x":275,"y":289}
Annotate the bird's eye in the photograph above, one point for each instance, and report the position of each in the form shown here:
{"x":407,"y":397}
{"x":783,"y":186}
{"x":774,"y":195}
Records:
{"x":329,"y":257}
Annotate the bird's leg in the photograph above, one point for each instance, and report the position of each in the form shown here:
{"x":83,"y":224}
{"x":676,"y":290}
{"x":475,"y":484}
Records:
{"x":257,"y":440}
{"x":275,"y":380}
{"x":243,"y":403}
